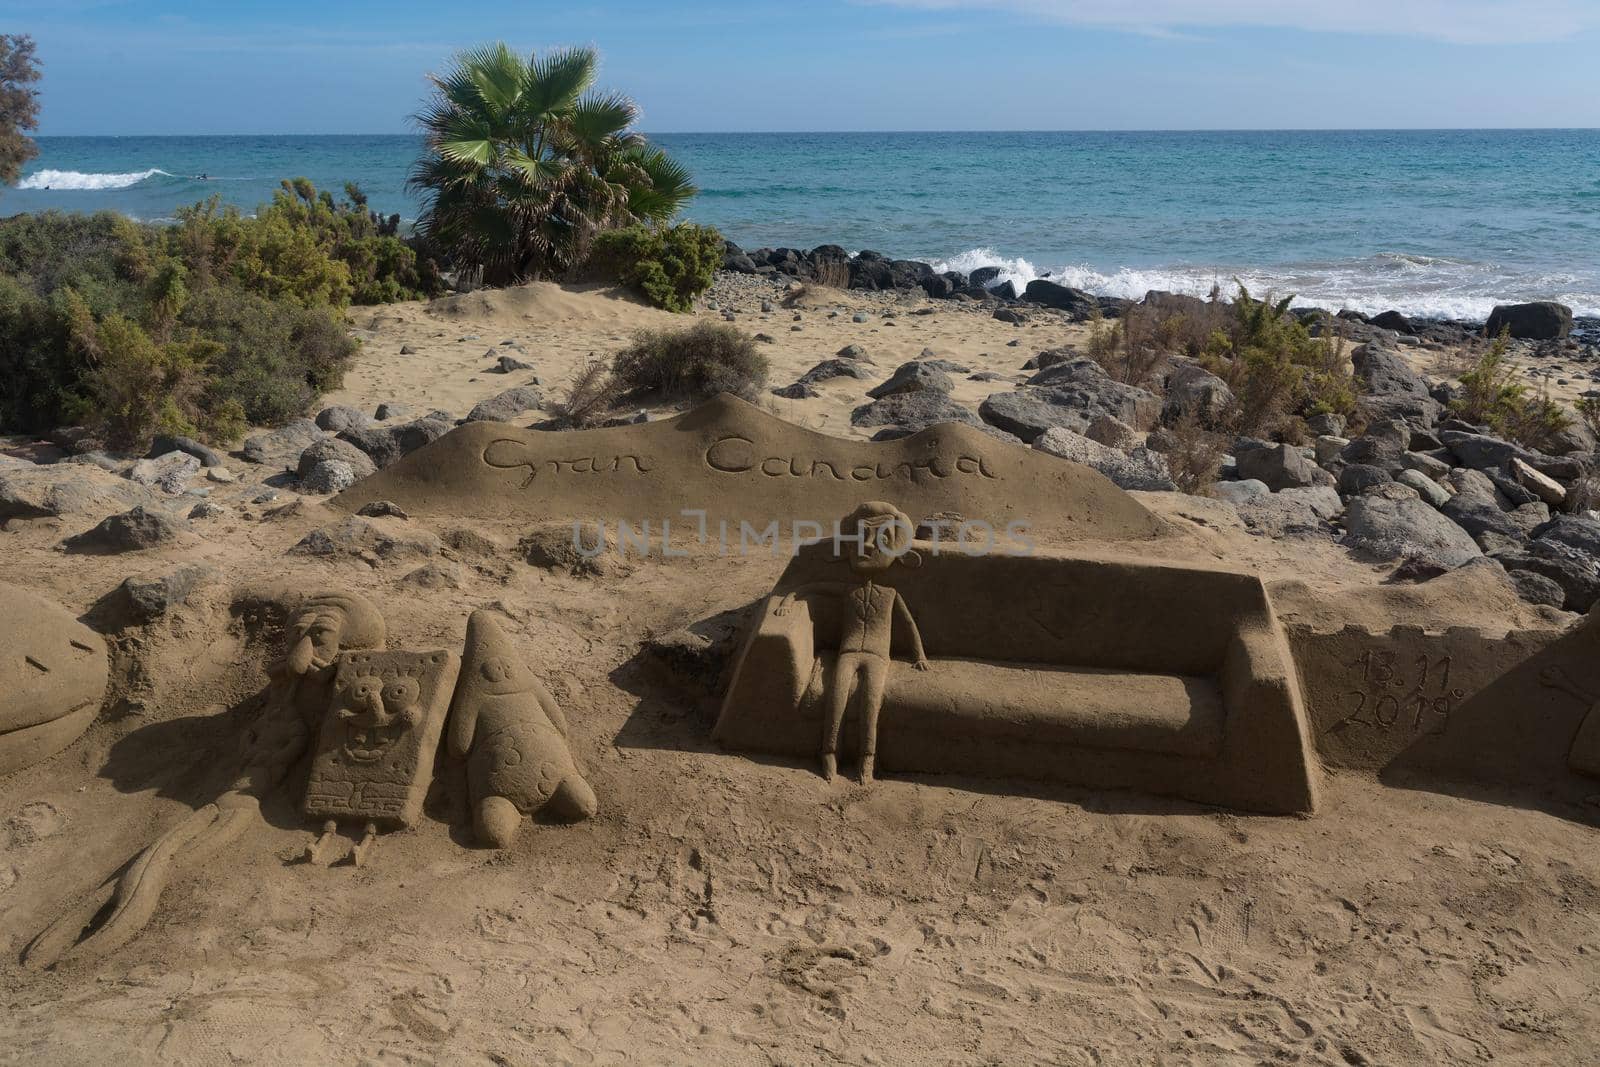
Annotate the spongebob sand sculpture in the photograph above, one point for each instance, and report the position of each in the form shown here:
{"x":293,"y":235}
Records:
{"x":375,"y":751}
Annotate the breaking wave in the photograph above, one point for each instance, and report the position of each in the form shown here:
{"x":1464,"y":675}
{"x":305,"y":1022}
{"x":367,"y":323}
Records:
{"x":77,"y":179}
{"x":1415,"y":285}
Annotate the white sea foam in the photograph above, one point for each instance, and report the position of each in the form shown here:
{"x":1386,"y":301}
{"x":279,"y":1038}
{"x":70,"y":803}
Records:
{"x":77,"y":179}
{"x":1415,"y":285}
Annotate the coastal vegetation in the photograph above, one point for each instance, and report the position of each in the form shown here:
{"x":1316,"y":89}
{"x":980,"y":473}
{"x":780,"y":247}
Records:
{"x":525,"y":163}
{"x":668,"y":266}
{"x":19,"y":104}
{"x":690,"y":364}
{"x":1491,"y":396}
{"x":195,"y":328}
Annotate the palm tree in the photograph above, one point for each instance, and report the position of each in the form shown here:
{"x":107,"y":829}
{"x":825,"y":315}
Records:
{"x":524,"y":163}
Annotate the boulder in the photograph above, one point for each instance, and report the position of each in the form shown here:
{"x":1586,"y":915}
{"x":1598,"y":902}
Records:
{"x":164,"y":443}
{"x":1392,"y":320}
{"x":507,"y":405}
{"x":1291,"y":512}
{"x":1329,"y":448}
{"x":169,"y":473}
{"x":1574,"y":572}
{"x":1079,"y":304}
{"x":1329,"y":423}
{"x":1390,"y":388}
{"x":1535,"y":588}
{"x":329,"y":476}
{"x":795,"y":391}
{"x":1578,"y":532}
{"x":1482,"y":452}
{"x":1278,"y":466}
{"x":906,"y":413}
{"x":914,"y":377}
{"x":1391,"y":523}
{"x":1540,"y":320}
{"x":150,"y":598}
{"x":1425,"y":487}
{"x":340,"y":417}
{"x":1112,"y":432}
{"x":1193,"y":390}
{"x":829,"y":369}
{"x":1478,"y":512}
{"x":385,"y":444}
{"x":334,"y":449}
{"x":1143,"y":469}
{"x":132,"y":531}
{"x":1358,"y":478}
{"x":1381,"y":446}
{"x":283,"y":445}
{"x":1542,"y":486}
{"x":1239,"y":493}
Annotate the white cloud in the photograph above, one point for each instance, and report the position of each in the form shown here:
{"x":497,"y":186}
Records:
{"x":1481,"y":22}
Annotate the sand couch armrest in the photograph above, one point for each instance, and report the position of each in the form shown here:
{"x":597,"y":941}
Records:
{"x":1267,"y":743}
{"x":772,"y":674}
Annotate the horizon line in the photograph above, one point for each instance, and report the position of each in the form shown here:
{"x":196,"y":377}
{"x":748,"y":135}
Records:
{"x":792,"y":133}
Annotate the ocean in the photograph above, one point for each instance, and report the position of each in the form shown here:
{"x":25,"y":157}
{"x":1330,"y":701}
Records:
{"x":1432,"y":223}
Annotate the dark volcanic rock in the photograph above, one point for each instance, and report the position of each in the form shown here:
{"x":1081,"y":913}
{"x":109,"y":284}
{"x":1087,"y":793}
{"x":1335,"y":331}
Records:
{"x":1390,"y":388}
{"x":507,"y":405}
{"x":281,"y":446}
{"x":1279,"y":466}
{"x":914,"y":377}
{"x":130,"y":531}
{"x":907,"y":413}
{"x":165,"y":443}
{"x":1079,"y":304}
{"x":1393,"y":320}
{"x":1541,"y":320}
{"x":385,"y":444}
{"x":1392,"y":523}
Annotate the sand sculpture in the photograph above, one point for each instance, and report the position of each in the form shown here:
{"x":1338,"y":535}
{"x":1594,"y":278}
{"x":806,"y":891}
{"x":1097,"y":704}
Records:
{"x":321,"y":627}
{"x":52,"y":678}
{"x":374,"y":756}
{"x":1096,"y":671}
{"x":514,"y":738}
{"x":1457,"y":705}
{"x":377,"y":717}
{"x":868,"y":613}
{"x":739,"y":464}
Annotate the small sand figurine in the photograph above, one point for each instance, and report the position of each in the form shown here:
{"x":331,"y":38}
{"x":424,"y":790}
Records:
{"x":866,"y":627}
{"x":514,"y":737}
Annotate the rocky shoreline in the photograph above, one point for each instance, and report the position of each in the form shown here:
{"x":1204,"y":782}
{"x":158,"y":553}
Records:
{"x":871,"y":271}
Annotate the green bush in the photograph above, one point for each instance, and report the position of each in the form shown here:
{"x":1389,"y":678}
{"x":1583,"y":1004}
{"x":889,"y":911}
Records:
{"x":273,"y":358}
{"x":1277,"y":370}
{"x":670,"y":266}
{"x":1491,"y":395}
{"x":137,"y":329}
{"x":697,"y":363}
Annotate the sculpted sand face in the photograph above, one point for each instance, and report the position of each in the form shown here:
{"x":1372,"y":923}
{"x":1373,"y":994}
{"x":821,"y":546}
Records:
{"x":738,"y":464}
{"x":52,"y":676}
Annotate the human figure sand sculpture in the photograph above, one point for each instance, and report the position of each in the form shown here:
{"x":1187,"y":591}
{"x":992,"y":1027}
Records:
{"x":377,"y":717}
{"x":882,"y":534}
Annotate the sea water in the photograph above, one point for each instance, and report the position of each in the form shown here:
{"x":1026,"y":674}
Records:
{"x":1440,"y":223}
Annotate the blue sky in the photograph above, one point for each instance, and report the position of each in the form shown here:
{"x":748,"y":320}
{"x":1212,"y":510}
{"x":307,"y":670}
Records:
{"x":352,"y":66}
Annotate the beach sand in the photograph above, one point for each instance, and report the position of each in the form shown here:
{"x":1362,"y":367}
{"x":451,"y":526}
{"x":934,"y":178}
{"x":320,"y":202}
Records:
{"x":723,"y":909}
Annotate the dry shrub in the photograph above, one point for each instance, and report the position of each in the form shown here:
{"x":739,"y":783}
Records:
{"x":591,"y":394}
{"x":696,"y":364}
{"x":1196,"y":454}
